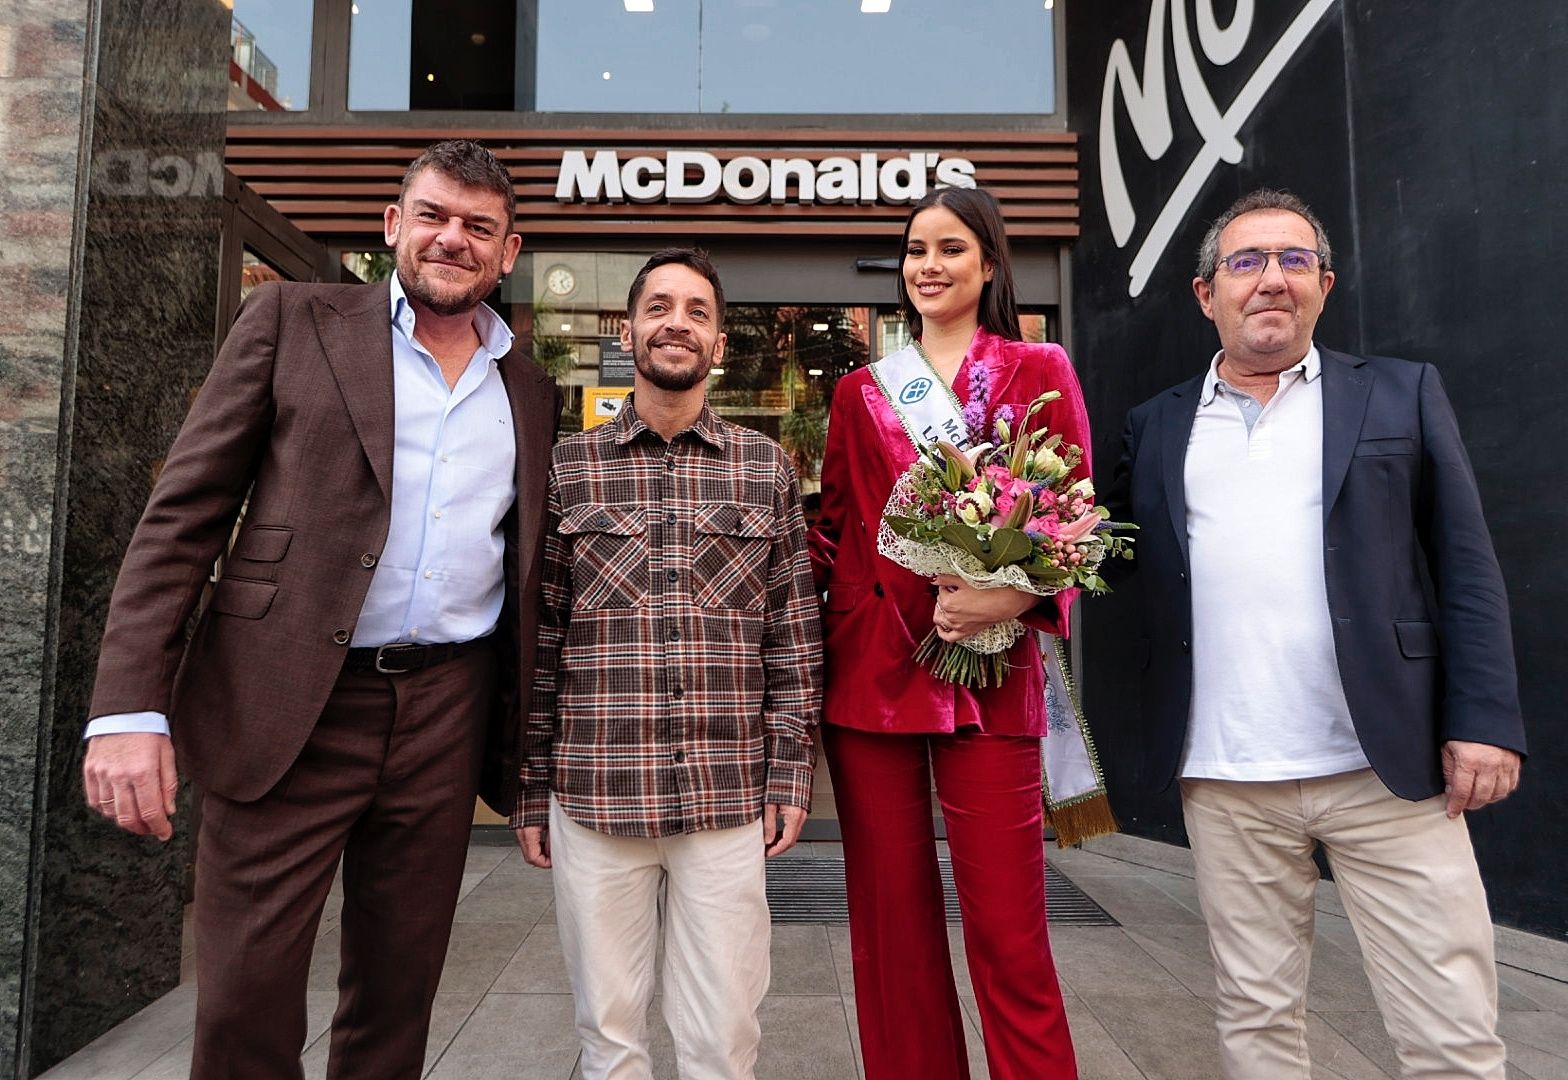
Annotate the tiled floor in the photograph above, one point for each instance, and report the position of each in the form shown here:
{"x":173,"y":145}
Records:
{"x":1138,"y":995}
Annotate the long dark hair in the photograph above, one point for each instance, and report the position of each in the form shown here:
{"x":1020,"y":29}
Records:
{"x":978,"y":210}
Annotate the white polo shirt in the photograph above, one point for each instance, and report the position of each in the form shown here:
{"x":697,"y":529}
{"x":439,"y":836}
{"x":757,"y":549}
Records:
{"x":1267,"y":702}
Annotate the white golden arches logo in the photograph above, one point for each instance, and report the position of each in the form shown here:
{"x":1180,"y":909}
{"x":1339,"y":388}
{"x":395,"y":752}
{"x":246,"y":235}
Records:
{"x":1148,"y":109}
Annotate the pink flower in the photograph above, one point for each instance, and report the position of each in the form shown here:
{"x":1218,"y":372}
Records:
{"x":1045,"y":523}
{"x":1077,"y":530}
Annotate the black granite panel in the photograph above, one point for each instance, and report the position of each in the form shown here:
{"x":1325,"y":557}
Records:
{"x":41,"y":66}
{"x":111,"y":290}
{"x":109,"y":924}
{"x":1433,"y":141}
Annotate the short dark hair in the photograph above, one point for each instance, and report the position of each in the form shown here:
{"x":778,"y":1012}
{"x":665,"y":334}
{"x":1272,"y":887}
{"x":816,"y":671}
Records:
{"x":469,"y":163}
{"x":978,"y":210}
{"x":694,"y":258}
{"x":1261,"y":199}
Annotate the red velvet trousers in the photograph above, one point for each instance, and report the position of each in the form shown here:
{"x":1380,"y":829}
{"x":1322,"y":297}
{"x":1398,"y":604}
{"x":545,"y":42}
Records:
{"x":911,"y":1024}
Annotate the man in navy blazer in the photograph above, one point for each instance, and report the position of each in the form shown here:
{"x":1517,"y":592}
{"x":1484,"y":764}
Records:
{"x":1327,"y":657}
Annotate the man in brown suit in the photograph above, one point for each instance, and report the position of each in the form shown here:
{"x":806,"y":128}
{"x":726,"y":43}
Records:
{"x":364,"y":642}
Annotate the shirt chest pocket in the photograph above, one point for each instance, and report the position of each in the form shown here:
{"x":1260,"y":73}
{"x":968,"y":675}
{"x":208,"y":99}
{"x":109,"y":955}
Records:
{"x":609,"y":546}
{"x":729,"y":566}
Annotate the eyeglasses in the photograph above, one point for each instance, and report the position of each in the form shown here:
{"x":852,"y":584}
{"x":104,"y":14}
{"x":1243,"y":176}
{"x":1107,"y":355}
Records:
{"x":1291,"y":261}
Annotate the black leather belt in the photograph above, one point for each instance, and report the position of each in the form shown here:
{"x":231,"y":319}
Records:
{"x":402,"y":657}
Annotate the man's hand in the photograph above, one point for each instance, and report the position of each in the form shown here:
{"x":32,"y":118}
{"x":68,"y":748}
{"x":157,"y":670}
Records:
{"x":1477,"y":774}
{"x":776,"y":841}
{"x":130,"y":779}
{"x":962,"y":611}
{"x":535,"y":842}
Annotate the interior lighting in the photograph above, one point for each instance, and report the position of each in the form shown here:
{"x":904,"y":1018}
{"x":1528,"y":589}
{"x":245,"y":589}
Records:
{"x":354,"y":10}
{"x":1049,"y":4}
{"x":430,"y":76}
{"x":875,"y":7}
{"x":814,"y":372}
{"x":819,"y":326}
{"x":566,"y":326}
{"x":605,"y":76}
{"x":639,"y":5}
{"x":716,"y":371}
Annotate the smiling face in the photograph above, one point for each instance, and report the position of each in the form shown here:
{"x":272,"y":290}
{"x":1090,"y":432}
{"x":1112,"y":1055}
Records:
{"x":944,"y":268}
{"x":673,"y":332}
{"x":453,"y":242}
{"x":1265,"y":321}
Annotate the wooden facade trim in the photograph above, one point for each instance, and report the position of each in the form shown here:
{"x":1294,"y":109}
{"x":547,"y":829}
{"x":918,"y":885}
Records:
{"x":335,"y":181}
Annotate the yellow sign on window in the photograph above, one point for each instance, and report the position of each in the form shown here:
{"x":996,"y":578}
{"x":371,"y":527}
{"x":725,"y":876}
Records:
{"x":601,"y":404}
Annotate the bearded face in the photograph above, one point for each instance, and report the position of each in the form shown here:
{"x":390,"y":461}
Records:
{"x":453,"y":242}
{"x":673,"y":333}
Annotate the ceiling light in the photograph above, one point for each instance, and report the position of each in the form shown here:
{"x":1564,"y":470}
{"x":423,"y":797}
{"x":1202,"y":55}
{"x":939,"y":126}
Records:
{"x":354,"y":10}
{"x":875,"y":7}
{"x":819,"y":326}
{"x":605,"y":76}
{"x":716,"y":371}
{"x":1049,"y":4}
{"x":430,"y":76}
{"x":639,"y":5}
{"x":814,"y":371}
{"x":566,"y":326}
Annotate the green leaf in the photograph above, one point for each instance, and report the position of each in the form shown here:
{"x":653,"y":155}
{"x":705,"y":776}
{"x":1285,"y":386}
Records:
{"x":1008,"y":546}
{"x":964,"y":538}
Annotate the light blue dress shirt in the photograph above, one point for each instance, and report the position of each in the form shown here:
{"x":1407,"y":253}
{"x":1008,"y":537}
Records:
{"x":440,"y":576}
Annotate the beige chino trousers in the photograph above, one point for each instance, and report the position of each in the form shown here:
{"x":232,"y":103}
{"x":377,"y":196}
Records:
{"x":708,"y":890}
{"x":1408,"y":879}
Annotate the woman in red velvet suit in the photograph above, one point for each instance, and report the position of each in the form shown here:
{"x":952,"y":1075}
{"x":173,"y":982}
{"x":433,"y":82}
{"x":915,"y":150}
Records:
{"x":889,"y":726}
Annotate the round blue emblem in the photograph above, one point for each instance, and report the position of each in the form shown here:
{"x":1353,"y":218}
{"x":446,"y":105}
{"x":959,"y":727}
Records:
{"x":914,"y":390}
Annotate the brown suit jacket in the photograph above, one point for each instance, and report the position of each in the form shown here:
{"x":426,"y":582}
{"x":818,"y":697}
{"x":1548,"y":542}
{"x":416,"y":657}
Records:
{"x":297,"y":412}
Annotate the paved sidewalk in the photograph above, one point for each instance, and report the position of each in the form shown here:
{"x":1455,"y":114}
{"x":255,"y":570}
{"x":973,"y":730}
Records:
{"x":1138,"y":995}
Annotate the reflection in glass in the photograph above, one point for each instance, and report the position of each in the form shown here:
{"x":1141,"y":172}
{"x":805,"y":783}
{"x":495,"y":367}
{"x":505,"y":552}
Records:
{"x":440,"y":54}
{"x":269,"y":55}
{"x":254,"y":270}
{"x":800,"y":56}
{"x":704,"y":56}
{"x":781,"y":366}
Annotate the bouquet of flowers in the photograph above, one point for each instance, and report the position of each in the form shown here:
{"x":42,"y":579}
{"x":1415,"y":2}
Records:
{"x":1005,"y":512}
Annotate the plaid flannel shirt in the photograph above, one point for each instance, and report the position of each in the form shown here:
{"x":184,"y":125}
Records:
{"x":679,"y":667}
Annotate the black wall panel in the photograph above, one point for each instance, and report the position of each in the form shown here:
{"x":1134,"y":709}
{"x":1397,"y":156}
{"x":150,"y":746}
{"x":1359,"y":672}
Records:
{"x":1433,"y":142}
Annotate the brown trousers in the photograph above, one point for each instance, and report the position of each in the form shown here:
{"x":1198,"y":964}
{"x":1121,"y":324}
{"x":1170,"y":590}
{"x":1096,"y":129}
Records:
{"x":387,"y":782}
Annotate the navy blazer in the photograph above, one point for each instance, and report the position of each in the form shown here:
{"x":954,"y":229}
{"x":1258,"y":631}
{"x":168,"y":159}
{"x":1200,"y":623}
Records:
{"x":1419,"y":612}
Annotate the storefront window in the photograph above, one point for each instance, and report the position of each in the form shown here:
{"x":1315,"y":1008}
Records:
{"x":269,"y":55}
{"x":254,"y":270}
{"x":704,"y":56}
{"x":780,"y":366}
{"x":784,"y":56}
{"x":437,"y":54}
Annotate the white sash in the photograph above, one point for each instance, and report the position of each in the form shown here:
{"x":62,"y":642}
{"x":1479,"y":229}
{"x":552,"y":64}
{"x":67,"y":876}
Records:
{"x":923,"y":403}
{"x":1073,"y":786}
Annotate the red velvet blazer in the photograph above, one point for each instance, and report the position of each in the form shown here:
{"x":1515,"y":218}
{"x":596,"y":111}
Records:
{"x":877,"y":612}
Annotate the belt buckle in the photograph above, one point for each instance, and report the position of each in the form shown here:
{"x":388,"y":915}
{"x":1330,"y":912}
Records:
{"x":381,"y":651}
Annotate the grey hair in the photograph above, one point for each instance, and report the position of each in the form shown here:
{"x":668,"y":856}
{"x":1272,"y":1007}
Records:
{"x":1262,"y":199}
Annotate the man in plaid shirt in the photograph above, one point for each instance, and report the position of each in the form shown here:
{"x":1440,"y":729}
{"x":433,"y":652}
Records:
{"x":677,"y":684}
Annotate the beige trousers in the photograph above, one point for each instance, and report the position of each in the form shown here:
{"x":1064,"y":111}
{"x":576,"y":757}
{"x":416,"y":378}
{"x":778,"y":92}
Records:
{"x":707,"y":889}
{"x":1408,"y":879}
